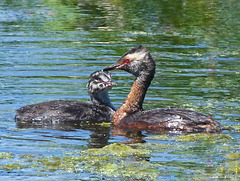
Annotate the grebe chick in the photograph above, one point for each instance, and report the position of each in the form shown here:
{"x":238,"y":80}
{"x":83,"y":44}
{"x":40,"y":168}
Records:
{"x":60,"y":111}
{"x":139,"y":62}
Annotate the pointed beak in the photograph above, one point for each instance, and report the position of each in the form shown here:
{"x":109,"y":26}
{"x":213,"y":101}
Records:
{"x":113,"y":84}
{"x":110,"y":84}
{"x":111,"y":67}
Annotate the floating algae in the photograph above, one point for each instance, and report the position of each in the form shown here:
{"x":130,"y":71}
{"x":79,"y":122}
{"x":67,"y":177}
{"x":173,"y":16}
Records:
{"x":159,"y":137}
{"x":6,"y":155}
{"x":134,"y":161}
{"x":232,"y":164}
{"x":116,"y":149}
{"x":13,"y":166}
{"x":114,"y":160}
{"x":119,"y":160}
{"x":204,"y":137}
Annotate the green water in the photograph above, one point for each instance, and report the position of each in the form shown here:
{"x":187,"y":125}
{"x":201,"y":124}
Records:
{"x":48,"y":48}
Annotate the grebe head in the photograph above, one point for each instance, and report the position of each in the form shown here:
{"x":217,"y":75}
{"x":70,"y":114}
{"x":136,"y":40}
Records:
{"x":135,"y":61}
{"x":100,"y":82}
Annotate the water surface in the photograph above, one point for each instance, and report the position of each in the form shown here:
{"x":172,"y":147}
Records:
{"x":49,"y":48}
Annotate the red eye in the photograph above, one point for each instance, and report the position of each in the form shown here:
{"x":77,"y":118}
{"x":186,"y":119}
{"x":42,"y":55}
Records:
{"x":126,"y":61}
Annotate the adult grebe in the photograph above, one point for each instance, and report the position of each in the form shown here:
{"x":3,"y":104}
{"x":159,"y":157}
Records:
{"x":130,"y":115}
{"x":53,"y":112}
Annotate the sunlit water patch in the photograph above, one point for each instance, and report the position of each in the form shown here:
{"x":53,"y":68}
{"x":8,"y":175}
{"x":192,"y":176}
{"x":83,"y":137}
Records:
{"x":48,"y":49}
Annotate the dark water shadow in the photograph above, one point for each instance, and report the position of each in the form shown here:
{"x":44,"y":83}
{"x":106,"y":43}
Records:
{"x":99,"y":135}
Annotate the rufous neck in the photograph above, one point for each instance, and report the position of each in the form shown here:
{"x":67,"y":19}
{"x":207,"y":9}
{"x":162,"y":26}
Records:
{"x":135,"y":98}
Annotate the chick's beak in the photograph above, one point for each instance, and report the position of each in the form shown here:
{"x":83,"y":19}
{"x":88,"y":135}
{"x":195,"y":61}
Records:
{"x":110,"y":84}
{"x":113,"y":84}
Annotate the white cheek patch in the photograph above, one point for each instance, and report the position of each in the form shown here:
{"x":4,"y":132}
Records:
{"x":136,"y":55}
{"x":104,"y":78}
{"x":93,"y":86}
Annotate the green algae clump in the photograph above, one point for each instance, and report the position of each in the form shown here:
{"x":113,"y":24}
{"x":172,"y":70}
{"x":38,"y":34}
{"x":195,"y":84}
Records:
{"x":233,"y":156}
{"x":159,"y":137}
{"x":119,"y":160}
{"x":10,"y":167}
{"x":29,"y":156}
{"x":204,"y":137}
{"x":231,"y":166}
{"x":116,"y":149}
{"x":6,"y":155}
{"x":115,"y":160}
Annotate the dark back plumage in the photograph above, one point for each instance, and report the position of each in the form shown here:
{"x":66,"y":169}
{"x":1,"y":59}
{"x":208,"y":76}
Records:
{"x":60,"y":111}
{"x":130,"y":115}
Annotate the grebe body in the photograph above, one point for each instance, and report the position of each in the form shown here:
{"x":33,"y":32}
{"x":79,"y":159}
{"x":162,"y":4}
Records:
{"x":60,"y":111}
{"x":139,"y":62}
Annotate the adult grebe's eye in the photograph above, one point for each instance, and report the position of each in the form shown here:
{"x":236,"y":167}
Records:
{"x":126,"y":61}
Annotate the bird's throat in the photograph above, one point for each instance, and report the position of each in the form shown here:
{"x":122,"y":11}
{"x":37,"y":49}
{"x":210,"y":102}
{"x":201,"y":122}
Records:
{"x":133,"y":102}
